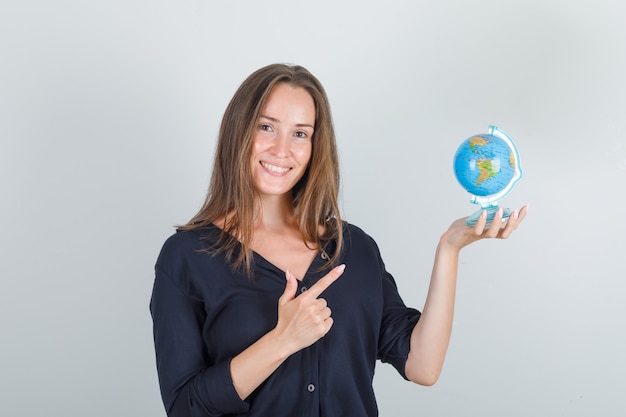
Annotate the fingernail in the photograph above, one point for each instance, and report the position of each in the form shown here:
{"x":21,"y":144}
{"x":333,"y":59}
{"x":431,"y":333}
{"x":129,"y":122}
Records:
{"x":341,"y":268}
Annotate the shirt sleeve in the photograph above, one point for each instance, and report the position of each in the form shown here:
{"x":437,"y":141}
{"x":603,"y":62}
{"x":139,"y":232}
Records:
{"x":397,"y":325}
{"x":191,"y":386}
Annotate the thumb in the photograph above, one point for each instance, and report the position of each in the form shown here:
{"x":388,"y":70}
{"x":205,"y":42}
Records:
{"x":290,"y":289}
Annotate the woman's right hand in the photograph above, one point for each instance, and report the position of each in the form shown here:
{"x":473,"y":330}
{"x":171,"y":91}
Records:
{"x":305,"y":319}
{"x":302,"y":321}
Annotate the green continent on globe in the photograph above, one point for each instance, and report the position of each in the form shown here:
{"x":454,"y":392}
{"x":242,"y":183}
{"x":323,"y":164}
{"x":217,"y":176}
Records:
{"x":477,"y":141}
{"x":486,"y":169}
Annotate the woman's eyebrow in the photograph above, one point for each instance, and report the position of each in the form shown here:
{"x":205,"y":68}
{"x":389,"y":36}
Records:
{"x":274,"y":120}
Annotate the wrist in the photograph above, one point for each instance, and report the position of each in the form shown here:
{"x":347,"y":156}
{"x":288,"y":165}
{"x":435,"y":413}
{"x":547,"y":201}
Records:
{"x":446,"y":247}
{"x":279,"y":345}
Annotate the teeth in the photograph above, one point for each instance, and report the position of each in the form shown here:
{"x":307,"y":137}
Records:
{"x":274,"y":168}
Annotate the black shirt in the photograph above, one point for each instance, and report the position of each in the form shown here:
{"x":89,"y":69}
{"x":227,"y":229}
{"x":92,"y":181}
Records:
{"x":204,"y":314}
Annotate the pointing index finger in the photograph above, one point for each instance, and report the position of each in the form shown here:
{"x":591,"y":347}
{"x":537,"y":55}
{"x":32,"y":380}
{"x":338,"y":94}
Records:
{"x":318,"y":288}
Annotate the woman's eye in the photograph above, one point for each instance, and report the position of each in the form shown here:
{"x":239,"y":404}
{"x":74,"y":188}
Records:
{"x":301,"y":135}
{"x":266,"y":128}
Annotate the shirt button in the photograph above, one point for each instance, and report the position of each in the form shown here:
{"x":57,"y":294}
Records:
{"x":304,"y":288}
{"x":324,"y":256}
{"x":311,"y":388}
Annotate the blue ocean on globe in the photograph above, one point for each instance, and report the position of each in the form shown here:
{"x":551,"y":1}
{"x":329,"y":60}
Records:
{"x":484,"y":165}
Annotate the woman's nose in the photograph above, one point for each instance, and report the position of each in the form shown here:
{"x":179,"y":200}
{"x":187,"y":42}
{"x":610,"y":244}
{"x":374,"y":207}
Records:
{"x":282,"y":145}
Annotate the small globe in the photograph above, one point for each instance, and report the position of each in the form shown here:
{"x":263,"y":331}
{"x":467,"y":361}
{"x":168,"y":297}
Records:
{"x":487,"y":166}
{"x":484,"y":165}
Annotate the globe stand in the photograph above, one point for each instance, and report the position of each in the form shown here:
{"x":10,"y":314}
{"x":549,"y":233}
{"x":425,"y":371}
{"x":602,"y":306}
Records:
{"x":491,"y":214}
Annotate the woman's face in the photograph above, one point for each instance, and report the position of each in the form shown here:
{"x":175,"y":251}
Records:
{"x":281,"y":145}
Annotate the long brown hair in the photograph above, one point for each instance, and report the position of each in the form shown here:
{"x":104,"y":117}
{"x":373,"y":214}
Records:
{"x":232,"y":195}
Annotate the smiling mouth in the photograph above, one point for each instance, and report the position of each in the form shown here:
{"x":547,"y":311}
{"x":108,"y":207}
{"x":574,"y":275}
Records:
{"x":274,"y":168}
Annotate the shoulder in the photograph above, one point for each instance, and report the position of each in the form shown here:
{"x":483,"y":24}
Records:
{"x":354,"y":232}
{"x":184,"y":261}
{"x":184,"y":240}
{"x":357,"y":239}
{"x":183,"y":245}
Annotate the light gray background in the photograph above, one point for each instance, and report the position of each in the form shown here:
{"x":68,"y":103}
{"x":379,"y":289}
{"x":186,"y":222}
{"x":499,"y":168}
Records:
{"x":108,"y":118}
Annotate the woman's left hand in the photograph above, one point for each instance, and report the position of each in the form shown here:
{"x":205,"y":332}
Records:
{"x":460,"y":235}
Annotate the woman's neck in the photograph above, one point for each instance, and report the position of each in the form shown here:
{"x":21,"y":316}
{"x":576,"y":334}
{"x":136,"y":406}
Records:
{"x":275,"y":212}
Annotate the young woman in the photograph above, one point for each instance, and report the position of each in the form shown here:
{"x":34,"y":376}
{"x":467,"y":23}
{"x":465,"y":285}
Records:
{"x":267,"y":303}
